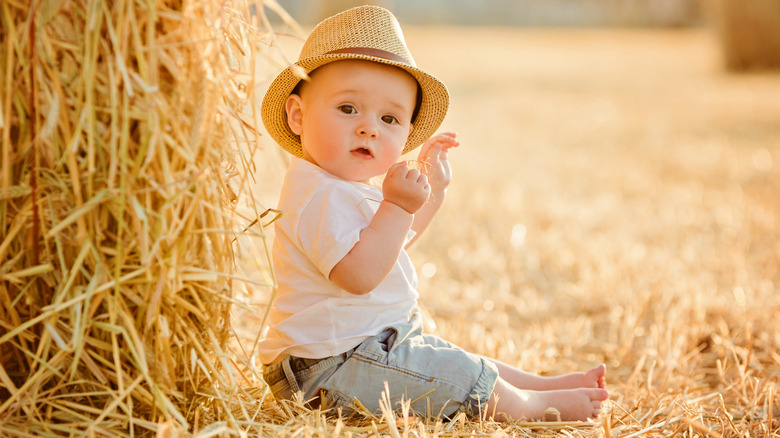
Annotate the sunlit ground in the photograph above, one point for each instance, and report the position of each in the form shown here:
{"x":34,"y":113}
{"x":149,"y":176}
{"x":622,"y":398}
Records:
{"x":616,"y":199}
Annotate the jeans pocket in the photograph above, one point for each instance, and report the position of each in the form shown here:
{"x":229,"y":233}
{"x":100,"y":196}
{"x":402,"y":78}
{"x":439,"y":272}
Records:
{"x":277,"y":382}
{"x":389,"y":340}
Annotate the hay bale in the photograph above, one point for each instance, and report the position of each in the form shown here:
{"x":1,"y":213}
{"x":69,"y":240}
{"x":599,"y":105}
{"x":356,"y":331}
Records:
{"x":748,"y":32}
{"x":120,"y":123}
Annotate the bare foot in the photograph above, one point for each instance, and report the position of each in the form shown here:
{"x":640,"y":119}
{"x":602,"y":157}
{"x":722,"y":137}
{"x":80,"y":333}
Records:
{"x":575,"y":404}
{"x":598,"y":375}
{"x":593,"y":378}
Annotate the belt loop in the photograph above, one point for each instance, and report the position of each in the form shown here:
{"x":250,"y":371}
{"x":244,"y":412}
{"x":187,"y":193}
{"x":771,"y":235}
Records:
{"x":290,"y":375}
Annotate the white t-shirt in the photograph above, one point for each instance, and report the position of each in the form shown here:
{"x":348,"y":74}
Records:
{"x":311,"y":317}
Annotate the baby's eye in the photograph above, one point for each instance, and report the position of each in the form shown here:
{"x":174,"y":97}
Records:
{"x":389,"y":119}
{"x":347,"y":109}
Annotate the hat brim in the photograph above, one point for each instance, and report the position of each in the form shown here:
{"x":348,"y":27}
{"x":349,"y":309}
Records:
{"x":433,"y":105}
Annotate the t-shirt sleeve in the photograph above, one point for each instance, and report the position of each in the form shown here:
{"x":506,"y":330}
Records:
{"x":330,"y":225}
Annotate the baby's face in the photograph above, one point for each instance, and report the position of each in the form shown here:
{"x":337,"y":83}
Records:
{"x":355,"y":117}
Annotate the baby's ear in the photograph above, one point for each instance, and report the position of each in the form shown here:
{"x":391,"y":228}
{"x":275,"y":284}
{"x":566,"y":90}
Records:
{"x":294,"y":110}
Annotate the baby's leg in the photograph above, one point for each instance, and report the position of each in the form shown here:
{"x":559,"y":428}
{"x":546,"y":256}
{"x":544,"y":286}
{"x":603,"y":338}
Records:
{"x":593,"y":378}
{"x":510,"y":402}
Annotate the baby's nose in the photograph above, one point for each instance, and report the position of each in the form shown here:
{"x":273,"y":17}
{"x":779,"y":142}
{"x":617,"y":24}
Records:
{"x":367,"y":129}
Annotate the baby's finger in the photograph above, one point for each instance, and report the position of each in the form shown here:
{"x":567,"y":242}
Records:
{"x":425,"y":150}
{"x":413,"y":174}
{"x":426,"y":147}
{"x":397,"y":168}
{"x":450,"y":143}
{"x":432,"y":156}
{"x":434,"y":150}
{"x":445,"y":142}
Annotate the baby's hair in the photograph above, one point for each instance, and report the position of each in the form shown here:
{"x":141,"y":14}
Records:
{"x":418,"y":101}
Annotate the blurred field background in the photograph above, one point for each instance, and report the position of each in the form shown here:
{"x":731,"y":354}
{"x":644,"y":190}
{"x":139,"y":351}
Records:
{"x":615,"y":199}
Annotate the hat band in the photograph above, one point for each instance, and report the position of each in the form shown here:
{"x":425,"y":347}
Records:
{"x":377,"y":53}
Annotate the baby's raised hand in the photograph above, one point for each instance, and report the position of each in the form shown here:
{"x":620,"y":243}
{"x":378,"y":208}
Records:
{"x":434,"y":154}
{"x":405,"y":187}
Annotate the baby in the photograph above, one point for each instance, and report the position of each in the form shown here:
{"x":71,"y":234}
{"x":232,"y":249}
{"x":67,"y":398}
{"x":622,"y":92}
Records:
{"x":343,"y":325}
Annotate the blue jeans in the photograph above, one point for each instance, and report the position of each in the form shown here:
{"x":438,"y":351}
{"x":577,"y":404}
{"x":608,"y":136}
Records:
{"x":439,"y":378}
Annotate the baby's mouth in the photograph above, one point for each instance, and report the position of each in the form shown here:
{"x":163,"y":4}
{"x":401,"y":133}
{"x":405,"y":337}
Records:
{"x":362,"y":152}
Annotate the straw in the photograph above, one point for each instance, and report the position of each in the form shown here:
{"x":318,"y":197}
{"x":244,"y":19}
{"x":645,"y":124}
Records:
{"x":118,"y":199}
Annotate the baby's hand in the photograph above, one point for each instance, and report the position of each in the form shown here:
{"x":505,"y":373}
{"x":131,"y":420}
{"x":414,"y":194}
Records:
{"x":405,"y":187}
{"x":434,"y":153}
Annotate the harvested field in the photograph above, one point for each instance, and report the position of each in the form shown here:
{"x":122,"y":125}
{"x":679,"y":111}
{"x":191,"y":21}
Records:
{"x":615,"y":199}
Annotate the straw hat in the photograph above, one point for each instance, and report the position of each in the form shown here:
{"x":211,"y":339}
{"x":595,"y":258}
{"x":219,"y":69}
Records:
{"x":369,"y":33}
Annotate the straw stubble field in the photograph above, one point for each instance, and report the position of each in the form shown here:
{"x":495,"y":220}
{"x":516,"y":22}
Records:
{"x":615,"y":200}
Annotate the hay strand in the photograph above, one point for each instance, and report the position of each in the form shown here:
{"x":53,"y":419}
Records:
{"x":117,"y":214}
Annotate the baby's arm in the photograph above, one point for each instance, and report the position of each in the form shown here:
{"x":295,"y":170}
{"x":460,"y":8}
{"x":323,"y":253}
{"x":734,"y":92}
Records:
{"x":434,"y":154}
{"x":368,"y":262}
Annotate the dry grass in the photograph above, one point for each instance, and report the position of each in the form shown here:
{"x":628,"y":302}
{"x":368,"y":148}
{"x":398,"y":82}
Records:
{"x":125,"y":152}
{"x":615,"y":199}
